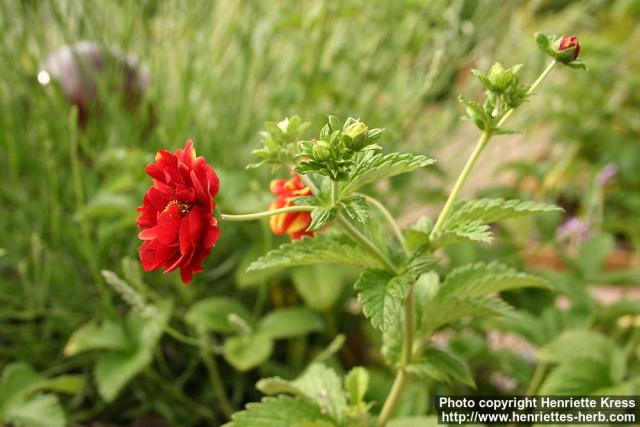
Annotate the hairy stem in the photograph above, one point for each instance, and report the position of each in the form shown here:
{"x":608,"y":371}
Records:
{"x":334,"y":192}
{"x":482,"y":142}
{"x":407,"y":345}
{"x":389,"y":218}
{"x":357,"y":235}
{"x":265,"y":214}
{"x":462,"y":178}
{"x":407,"y":350}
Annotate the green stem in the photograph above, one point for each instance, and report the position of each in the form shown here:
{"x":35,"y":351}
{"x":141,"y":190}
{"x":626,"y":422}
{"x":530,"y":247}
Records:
{"x":364,"y":241}
{"x":179,"y":336}
{"x":462,"y":178}
{"x":402,"y":374}
{"x":334,"y":193}
{"x":536,"y":380}
{"x":392,"y":222}
{"x":265,"y":214}
{"x":482,"y":142}
{"x":407,"y":346}
{"x":214,"y":375}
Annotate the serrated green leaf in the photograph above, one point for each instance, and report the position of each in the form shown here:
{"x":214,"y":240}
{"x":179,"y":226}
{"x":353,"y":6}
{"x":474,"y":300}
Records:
{"x":480,"y":279}
{"x":247,"y":352}
{"x":474,"y":231}
{"x":321,"y":217}
{"x":38,"y":411}
{"x":325,"y":248}
{"x":290,"y":322}
{"x":475,"y":111}
{"x":356,"y":208}
{"x":382,"y":295}
{"x":492,"y":210}
{"x":107,"y":335}
{"x":317,"y":383}
{"x":282,"y":411}
{"x":442,"y":366}
{"x":379,"y":166}
{"x":356,"y":383}
{"x":420,"y":264}
{"x":322,"y":385}
{"x":213,"y":314}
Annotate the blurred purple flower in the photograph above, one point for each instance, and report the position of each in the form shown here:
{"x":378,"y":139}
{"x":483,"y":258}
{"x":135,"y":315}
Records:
{"x":606,"y":174}
{"x":573,"y":228}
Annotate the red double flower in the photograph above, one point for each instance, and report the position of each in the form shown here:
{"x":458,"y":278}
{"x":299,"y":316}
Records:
{"x":294,"y":224}
{"x":176,"y":217}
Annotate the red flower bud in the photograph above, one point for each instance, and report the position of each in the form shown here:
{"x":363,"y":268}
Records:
{"x":176,"y":217}
{"x":570,"y":43}
{"x":294,"y":224}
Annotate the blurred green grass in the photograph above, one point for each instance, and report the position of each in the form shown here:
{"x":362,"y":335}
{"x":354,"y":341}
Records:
{"x":218,"y":71}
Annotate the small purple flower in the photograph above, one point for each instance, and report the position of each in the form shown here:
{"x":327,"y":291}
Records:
{"x":606,"y":174}
{"x":574,"y":227}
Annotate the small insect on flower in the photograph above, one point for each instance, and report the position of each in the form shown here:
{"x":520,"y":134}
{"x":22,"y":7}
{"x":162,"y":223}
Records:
{"x":294,"y":224}
{"x":176,"y":217}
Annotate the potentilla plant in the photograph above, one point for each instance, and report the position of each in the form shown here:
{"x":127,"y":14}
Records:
{"x":322,"y":206}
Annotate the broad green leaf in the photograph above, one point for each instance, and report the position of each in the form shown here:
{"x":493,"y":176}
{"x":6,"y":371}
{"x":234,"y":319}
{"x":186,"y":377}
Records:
{"x":593,"y":253}
{"x":492,"y":210}
{"x":418,"y":234}
{"x":107,"y":335}
{"x":475,"y":111}
{"x":37,"y":411}
{"x":319,"y":286}
{"x":70,"y":384}
{"x":117,"y":367}
{"x":282,"y":411}
{"x":17,"y":378}
{"x":439,"y":312}
{"x":213,"y":314}
{"x":442,"y":366}
{"x":379,"y":166}
{"x":480,"y":279}
{"x":321,"y":217}
{"x":356,"y":383}
{"x":578,"y":344}
{"x":580,"y":377}
{"x":325,"y":248}
{"x":414,"y":422}
{"x":290,"y":322}
{"x":382,"y":295}
{"x":317,"y":383}
{"x":322,"y":385}
{"x":247,"y":352}
{"x":275,"y":385}
{"x":356,"y":208}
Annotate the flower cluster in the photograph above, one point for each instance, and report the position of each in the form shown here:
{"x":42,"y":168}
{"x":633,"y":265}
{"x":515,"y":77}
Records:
{"x":176,"y":217}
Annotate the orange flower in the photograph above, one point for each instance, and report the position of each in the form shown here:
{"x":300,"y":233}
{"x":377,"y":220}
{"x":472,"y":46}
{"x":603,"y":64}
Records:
{"x":294,"y":224}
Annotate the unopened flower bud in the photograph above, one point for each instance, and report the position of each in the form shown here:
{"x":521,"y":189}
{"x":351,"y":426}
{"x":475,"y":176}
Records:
{"x":568,"y":48}
{"x":357,"y":135}
{"x":321,"y":150}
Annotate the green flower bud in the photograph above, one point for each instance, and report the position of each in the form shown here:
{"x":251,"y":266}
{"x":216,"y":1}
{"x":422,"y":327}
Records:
{"x":321,"y":150}
{"x":357,"y":136}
